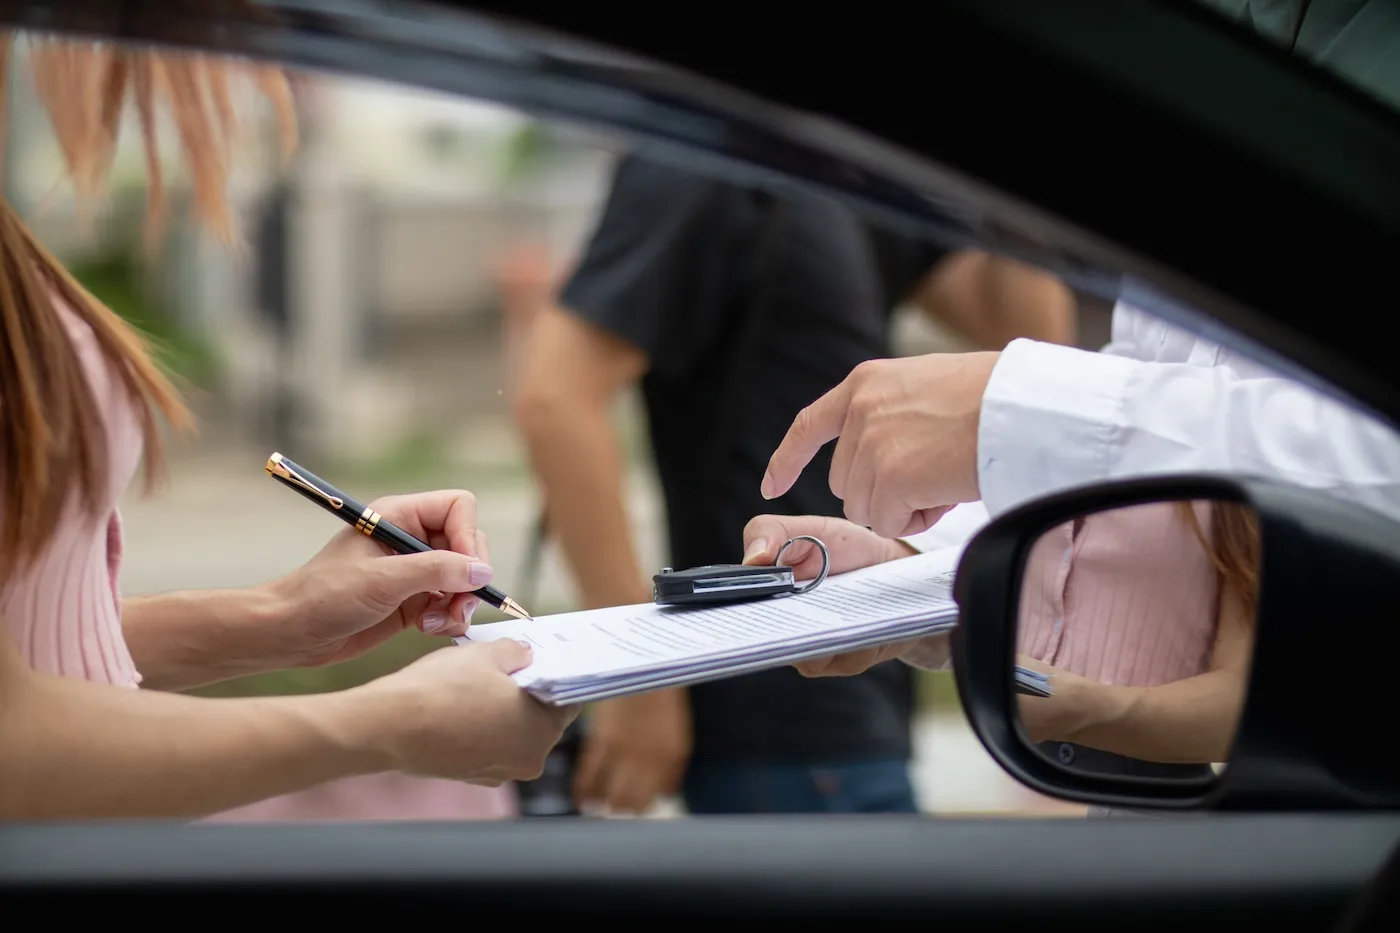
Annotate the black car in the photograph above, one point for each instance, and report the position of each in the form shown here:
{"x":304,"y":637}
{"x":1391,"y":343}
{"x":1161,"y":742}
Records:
{"x":1253,"y":193}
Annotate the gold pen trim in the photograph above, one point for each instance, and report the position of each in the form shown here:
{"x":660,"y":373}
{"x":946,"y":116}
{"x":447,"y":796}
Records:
{"x":367,"y":522}
{"x":277,"y":467}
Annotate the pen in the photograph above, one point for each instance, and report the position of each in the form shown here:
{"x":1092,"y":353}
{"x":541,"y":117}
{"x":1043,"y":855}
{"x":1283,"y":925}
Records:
{"x":369,"y":522}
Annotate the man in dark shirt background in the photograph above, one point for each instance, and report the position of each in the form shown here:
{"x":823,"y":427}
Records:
{"x":734,"y":309}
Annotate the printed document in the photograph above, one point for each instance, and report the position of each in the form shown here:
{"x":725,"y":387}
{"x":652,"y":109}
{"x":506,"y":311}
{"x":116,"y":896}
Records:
{"x":582,"y":657}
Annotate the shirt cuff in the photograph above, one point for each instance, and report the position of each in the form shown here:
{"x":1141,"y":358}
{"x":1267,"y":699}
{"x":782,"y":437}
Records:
{"x":1051,"y":420}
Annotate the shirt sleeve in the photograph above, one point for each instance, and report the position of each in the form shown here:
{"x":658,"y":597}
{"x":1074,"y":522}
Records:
{"x":1055,"y":417}
{"x":653,"y":271}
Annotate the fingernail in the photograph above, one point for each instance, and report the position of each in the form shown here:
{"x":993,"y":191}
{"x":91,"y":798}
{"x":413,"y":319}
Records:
{"x":468,"y":609}
{"x":434,"y":622}
{"x":481,"y":573}
{"x":766,"y":488}
{"x":757,"y":549}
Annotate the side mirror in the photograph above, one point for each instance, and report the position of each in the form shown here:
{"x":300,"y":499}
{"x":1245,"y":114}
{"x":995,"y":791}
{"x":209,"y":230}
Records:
{"x":1208,"y":642}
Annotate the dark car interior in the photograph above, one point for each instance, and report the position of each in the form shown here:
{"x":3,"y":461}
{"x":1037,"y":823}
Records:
{"x":1244,"y":161}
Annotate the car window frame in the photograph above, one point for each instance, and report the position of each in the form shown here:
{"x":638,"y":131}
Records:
{"x":880,"y":165}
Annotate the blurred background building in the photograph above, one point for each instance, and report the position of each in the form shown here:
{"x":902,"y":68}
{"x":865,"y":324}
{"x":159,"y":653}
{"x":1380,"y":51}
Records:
{"x":359,"y":329}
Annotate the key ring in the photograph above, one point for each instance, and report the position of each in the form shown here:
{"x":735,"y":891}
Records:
{"x":826,"y":562}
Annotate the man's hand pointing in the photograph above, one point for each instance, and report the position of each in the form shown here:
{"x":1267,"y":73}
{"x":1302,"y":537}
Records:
{"x":907,"y":448}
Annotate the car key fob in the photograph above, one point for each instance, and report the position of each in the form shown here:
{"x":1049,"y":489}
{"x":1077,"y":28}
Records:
{"x":733,"y":583}
{"x":720,"y":583}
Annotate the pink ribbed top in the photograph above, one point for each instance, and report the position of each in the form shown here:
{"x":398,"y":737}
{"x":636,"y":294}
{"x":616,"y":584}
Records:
{"x":1125,"y":597}
{"x":64,"y":610}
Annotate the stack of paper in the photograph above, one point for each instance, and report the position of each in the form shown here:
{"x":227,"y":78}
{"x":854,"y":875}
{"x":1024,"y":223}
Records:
{"x":581,"y":657}
{"x":1032,"y":683}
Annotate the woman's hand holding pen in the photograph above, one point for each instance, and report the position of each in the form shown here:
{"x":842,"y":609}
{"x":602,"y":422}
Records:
{"x":455,"y":713}
{"x":354,"y":595}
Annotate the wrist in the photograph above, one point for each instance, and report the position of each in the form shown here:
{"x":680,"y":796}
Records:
{"x":275,"y":618}
{"x":1086,"y":706}
{"x":266,"y":615}
{"x":367,"y":725}
{"x":980,"y":365}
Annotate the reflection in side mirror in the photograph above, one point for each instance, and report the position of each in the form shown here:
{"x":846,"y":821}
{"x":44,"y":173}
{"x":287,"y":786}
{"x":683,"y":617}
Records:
{"x":1142,"y":619}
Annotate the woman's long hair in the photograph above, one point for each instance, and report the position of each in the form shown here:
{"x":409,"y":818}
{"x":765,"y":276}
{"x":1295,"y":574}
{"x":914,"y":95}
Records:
{"x":52,"y":441}
{"x":1233,"y":546}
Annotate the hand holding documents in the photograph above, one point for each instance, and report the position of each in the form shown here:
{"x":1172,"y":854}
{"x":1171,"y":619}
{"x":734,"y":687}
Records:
{"x":583,"y":657}
{"x":1032,"y":683}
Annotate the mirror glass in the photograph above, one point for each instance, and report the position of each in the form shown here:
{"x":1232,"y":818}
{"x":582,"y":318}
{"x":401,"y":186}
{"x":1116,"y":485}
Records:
{"x":1134,"y":638}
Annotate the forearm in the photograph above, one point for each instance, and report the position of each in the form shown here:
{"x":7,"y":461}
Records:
{"x":1022,"y":301}
{"x":1189,"y":721}
{"x":575,"y":453}
{"x":76,"y":750}
{"x":185,"y":640}
{"x":992,"y":301}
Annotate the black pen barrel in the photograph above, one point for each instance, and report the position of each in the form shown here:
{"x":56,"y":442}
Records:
{"x":404,"y":543}
{"x":365,"y":519}
{"x":307,"y":484}
{"x":396,"y":538}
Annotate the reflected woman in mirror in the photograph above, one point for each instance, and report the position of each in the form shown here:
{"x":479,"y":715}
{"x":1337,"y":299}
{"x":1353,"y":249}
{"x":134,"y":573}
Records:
{"x":1144,"y":617}
{"x":90,"y":725}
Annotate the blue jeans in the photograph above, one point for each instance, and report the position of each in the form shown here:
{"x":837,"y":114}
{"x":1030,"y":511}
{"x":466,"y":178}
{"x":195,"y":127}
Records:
{"x":724,"y":788}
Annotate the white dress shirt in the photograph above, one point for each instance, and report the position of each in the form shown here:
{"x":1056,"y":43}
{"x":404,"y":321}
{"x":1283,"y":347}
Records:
{"x":1160,"y":400}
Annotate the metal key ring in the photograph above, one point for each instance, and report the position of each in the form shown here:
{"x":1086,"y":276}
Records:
{"x":826,"y":561}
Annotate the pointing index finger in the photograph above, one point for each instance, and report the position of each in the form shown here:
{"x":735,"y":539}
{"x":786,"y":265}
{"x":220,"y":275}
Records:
{"x":814,"y":426}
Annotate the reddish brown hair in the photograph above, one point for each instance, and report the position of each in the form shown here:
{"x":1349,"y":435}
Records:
{"x":52,"y":441}
{"x":1233,"y":546}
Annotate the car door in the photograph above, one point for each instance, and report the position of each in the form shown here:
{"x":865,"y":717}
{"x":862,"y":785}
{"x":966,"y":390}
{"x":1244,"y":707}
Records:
{"x":1174,"y":156}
